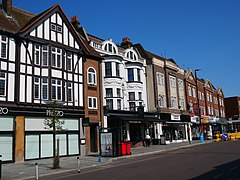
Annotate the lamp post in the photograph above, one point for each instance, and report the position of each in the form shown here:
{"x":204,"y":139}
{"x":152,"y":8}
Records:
{"x":198,"y":106}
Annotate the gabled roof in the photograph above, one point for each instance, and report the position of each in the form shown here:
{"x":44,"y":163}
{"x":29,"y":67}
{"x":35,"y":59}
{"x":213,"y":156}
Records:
{"x":14,"y":23}
{"x":220,"y":91}
{"x":208,"y":83}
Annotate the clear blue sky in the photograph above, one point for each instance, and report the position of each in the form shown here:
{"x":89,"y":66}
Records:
{"x":201,"y":34}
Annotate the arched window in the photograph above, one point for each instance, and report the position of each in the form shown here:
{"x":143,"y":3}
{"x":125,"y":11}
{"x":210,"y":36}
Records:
{"x":109,"y":47}
{"x":91,"y":76}
{"x":131,"y":55}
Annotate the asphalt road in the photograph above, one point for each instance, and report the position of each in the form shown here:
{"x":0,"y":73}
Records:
{"x":206,"y":161}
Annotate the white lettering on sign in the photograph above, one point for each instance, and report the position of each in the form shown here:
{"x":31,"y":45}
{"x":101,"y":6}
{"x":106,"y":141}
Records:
{"x":54,"y":113}
{"x":3,"y":110}
{"x":175,"y":117}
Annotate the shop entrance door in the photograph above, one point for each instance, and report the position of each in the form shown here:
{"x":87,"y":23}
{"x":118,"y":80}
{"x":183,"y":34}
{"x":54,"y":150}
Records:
{"x":93,"y":138}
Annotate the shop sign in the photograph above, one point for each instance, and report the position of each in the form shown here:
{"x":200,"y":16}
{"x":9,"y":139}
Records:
{"x":3,"y":110}
{"x":175,"y":117}
{"x":54,"y":113}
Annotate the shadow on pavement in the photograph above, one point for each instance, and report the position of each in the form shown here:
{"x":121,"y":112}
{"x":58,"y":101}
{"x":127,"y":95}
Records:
{"x":226,"y":171}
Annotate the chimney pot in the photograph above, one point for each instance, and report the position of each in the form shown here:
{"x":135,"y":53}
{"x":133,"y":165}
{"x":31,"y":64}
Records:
{"x":7,"y":7}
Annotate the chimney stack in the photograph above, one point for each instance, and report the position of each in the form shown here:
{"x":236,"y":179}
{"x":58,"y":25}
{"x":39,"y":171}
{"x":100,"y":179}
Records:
{"x":126,"y":43}
{"x":7,"y":7}
{"x":75,"y":22}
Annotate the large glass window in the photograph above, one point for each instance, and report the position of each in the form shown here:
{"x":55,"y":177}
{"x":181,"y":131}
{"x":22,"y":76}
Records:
{"x":130,"y":75}
{"x":91,"y":76}
{"x":3,"y":44}
{"x":56,"y":57}
{"x":2,"y":83}
{"x":56,"y":89}
{"x":108,"y":69}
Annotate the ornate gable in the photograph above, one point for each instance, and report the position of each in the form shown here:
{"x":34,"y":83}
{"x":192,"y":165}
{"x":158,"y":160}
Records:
{"x":190,"y":77}
{"x":53,"y":25}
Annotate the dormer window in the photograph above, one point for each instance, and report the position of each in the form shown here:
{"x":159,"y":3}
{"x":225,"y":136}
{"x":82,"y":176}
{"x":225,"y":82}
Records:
{"x":131,"y":55}
{"x":109,"y":47}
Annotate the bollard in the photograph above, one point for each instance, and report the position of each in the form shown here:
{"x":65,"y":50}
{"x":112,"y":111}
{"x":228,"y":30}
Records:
{"x":78,"y":164}
{"x":36,"y":171}
{"x":0,"y":167}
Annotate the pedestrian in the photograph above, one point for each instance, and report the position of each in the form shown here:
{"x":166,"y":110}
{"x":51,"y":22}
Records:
{"x":147,"y":140}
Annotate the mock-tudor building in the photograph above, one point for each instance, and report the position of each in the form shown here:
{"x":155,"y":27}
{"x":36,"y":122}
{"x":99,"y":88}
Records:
{"x":42,"y":77}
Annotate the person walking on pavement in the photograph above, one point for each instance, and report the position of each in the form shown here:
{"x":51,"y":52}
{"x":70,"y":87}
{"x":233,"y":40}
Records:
{"x":147,"y":140}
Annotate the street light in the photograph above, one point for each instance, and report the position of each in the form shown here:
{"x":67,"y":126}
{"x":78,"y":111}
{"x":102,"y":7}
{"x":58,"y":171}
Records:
{"x":199,"y":114}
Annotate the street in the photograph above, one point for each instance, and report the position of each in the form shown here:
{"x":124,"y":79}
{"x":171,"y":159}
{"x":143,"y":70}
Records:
{"x":207,"y":161}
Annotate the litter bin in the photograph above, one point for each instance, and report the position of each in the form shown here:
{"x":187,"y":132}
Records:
{"x":162,"y":140}
{"x":124,"y":148}
{"x":128,"y":146}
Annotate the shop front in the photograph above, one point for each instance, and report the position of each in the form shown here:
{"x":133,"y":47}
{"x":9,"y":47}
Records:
{"x":24,"y":134}
{"x":129,"y":127}
{"x":175,"y":129}
{"x":6,"y":136}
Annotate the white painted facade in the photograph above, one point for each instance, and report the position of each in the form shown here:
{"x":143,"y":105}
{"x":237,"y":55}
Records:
{"x":117,"y":86}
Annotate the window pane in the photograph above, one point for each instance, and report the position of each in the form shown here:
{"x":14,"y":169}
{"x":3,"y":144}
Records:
{"x":130,"y":75}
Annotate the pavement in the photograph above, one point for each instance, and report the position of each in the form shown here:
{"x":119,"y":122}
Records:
{"x":26,"y":170}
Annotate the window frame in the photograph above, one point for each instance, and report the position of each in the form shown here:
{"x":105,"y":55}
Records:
{"x":58,"y":89}
{"x":5,"y":42}
{"x":4,"y":80}
{"x":91,"y":76}
{"x":92,"y":102}
{"x":130,"y":75}
{"x":108,"y":69}
{"x":56,"y":57}
{"x":37,"y":87}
